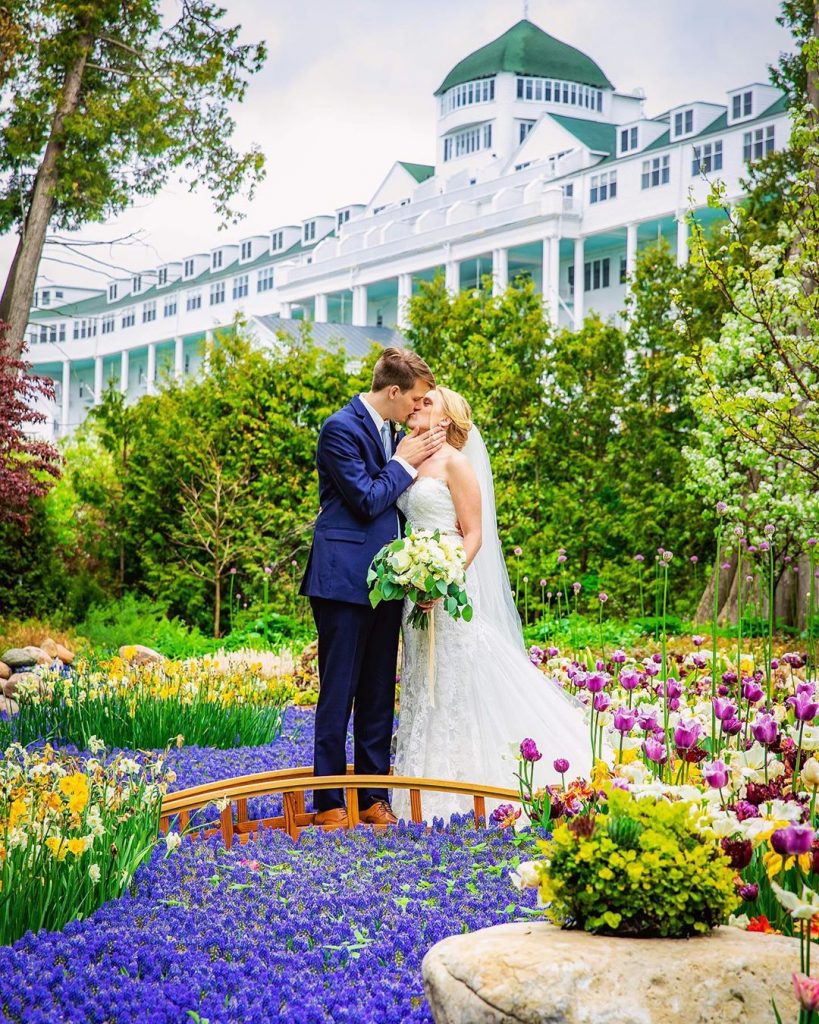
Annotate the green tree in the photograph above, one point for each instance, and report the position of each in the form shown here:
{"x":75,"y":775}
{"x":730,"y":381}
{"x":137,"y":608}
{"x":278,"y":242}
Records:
{"x":100,"y":102}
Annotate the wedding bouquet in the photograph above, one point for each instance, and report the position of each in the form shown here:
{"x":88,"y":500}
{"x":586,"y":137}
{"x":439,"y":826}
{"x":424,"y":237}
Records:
{"x":424,"y":565}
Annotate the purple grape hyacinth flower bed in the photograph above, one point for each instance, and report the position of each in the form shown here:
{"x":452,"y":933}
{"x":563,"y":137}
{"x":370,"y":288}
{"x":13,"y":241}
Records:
{"x":332,"y":928}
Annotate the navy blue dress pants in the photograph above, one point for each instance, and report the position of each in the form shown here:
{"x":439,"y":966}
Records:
{"x":357,"y":654}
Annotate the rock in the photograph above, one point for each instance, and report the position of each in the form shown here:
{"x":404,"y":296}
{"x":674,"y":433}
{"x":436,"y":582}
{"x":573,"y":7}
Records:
{"x":532,"y":973}
{"x":50,"y":647}
{"x":65,"y":656}
{"x":40,"y":655}
{"x":8,"y":707}
{"x":5,"y":671}
{"x":20,"y":657}
{"x":9,"y":686}
{"x":139,"y":655}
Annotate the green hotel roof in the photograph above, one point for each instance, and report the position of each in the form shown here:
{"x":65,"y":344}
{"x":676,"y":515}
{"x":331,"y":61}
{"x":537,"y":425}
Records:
{"x":526,"y":49}
{"x":598,"y":136}
{"x":419,"y":171}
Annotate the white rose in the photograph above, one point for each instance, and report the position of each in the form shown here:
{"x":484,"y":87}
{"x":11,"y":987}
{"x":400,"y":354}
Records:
{"x":527,"y":875}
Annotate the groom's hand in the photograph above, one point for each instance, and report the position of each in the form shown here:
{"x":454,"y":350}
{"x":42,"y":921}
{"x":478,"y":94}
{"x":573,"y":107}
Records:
{"x":416,"y":447}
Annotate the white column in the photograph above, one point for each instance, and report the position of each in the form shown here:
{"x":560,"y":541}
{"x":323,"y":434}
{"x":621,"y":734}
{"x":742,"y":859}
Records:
{"x":500,"y":271}
{"x":631,"y":249}
{"x":404,"y":296}
{"x":579,"y":283}
{"x":320,"y":310}
{"x":97,"y":380}
{"x":151,"y":367}
{"x":285,"y":310}
{"x":66,"y":397}
{"x":360,"y":305}
{"x":178,"y":357}
{"x":682,"y":241}
{"x":453,"y":276}
{"x":207,"y":351}
{"x":123,"y":371}
{"x":551,"y":278}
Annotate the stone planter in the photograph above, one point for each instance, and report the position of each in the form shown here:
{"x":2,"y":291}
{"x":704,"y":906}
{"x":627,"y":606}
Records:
{"x":534,"y":973}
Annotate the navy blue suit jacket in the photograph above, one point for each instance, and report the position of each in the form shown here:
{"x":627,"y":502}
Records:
{"x":358,"y":488}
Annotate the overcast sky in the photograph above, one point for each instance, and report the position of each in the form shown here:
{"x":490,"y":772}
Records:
{"x":348,"y":84}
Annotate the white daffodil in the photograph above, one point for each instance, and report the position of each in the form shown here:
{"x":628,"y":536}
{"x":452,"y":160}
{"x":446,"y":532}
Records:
{"x":527,"y":875}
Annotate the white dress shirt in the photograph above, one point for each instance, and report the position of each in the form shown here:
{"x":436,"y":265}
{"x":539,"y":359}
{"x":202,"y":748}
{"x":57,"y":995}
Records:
{"x":378,"y":420}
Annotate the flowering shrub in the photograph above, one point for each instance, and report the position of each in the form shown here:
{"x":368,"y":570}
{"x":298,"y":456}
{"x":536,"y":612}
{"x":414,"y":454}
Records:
{"x":72,"y":833}
{"x":139,"y":706}
{"x":642,"y":868}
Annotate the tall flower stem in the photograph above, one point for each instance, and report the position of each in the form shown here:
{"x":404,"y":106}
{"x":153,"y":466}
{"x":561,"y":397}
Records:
{"x":642,"y":593}
{"x":812,"y":612}
{"x":714,"y":616}
{"x":232,"y":578}
{"x":739,"y":611}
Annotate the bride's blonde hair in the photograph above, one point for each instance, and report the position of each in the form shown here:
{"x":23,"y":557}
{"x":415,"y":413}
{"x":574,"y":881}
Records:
{"x":459,"y":413}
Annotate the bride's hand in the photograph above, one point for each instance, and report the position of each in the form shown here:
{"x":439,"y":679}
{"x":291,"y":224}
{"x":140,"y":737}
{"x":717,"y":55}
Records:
{"x":427,"y":606}
{"x":416,"y":447}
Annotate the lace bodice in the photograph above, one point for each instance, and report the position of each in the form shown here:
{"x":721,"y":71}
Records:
{"x":428,"y":505}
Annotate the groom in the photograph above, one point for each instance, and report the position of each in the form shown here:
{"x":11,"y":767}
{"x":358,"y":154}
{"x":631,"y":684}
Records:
{"x":363,"y":466}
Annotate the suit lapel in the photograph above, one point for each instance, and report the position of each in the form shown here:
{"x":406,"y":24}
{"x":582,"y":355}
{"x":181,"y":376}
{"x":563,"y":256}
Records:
{"x":369,"y":427}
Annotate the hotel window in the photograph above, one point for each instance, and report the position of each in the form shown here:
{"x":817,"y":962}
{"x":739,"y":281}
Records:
{"x":188,"y":268}
{"x":742,"y":105}
{"x":216,"y":260}
{"x":603,"y":187}
{"x":343,"y":217}
{"x":596,"y":274}
{"x":757,"y":143}
{"x":240,"y":286}
{"x":45,"y":298}
{"x":568,"y":190}
{"x":524,"y":129}
{"x":247,"y":250}
{"x":169,"y":309}
{"x":264,"y":279}
{"x":548,"y":90}
{"x":217,"y":293}
{"x":187,"y":363}
{"x":628,"y":139}
{"x":464,"y":95}
{"x":623,"y":270}
{"x":136,"y":283}
{"x":193,"y":301}
{"x":277,"y":241}
{"x":149,"y":311}
{"x":163,"y":276}
{"x":310,"y":231}
{"x":128,"y":317}
{"x":112,"y":292}
{"x":684,"y":122}
{"x":469,"y":141}
{"x":655,"y":172}
{"x":707,"y":158}
{"x":108,"y":323}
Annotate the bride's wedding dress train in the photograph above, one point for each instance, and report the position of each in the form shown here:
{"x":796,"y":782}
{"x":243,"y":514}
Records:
{"x":487,"y":694}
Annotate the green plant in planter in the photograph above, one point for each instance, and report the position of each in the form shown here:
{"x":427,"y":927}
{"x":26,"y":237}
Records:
{"x":641,"y":869}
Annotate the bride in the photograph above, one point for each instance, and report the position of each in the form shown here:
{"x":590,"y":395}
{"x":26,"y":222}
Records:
{"x":484,"y":696}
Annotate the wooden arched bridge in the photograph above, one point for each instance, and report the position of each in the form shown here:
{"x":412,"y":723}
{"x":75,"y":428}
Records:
{"x":231,"y":797}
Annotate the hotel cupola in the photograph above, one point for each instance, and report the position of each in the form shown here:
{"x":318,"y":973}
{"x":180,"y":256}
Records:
{"x":491,"y":100}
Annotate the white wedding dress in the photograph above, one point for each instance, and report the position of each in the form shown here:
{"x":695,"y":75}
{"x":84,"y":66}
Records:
{"x":487,"y":694}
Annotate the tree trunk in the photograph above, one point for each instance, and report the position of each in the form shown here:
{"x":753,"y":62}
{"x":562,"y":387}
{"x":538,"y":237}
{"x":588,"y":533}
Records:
{"x":18,"y":294}
{"x":217,"y":607}
{"x":791,"y":592}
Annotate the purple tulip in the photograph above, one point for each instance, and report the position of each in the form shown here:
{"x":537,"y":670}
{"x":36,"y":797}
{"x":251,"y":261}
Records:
{"x":601,"y":702}
{"x":805,"y":687}
{"x":765,"y":729}
{"x":529,"y":751}
{"x":793,"y":659}
{"x":804,"y":709}
{"x":731,"y":726}
{"x":715,"y":773}
{"x":774,"y":663}
{"x":654,"y":750}
{"x":647,"y":721}
{"x":651,"y":669}
{"x":699,"y":660}
{"x":743,"y":810}
{"x":596,"y":681}
{"x":686,"y":734}
{"x":618,"y":657}
{"x":749,"y":892}
{"x":673,"y":687}
{"x":729,"y":678}
{"x":793,"y":840}
{"x":698,"y":640}
{"x":629,"y":679}
{"x":657,"y":658}
{"x":552,"y":652}
{"x":624,"y":720}
{"x":724,"y":708}
{"x":752,"y":691}
{"x":561,"y":765}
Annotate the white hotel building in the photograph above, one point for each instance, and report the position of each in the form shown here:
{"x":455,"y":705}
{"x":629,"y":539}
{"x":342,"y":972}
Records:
{"x":542,"y":167}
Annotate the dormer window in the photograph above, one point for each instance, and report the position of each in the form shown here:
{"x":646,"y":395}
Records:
{"x":112,"y":292}
{"x":310,"y":231}
{"x":136,"y":283}
{"x":276,"y":241}
{"x":45,"y":298}
{"x":742,"y":105}
{"x":163,"y":276}
{"x":628,"y":139}
{"x":189,"y":268}
{"x":343,"y":217}
{"x":684,"y":122}
{"x":216,"y":260}
{"x":247,"y":250}
{"x":524,"y":128}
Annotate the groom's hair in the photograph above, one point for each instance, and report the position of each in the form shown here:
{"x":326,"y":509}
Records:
{"x":402,"y":367}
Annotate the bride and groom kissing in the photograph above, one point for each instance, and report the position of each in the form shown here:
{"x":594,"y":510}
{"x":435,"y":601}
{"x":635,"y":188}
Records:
{"x":436,"y":475}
